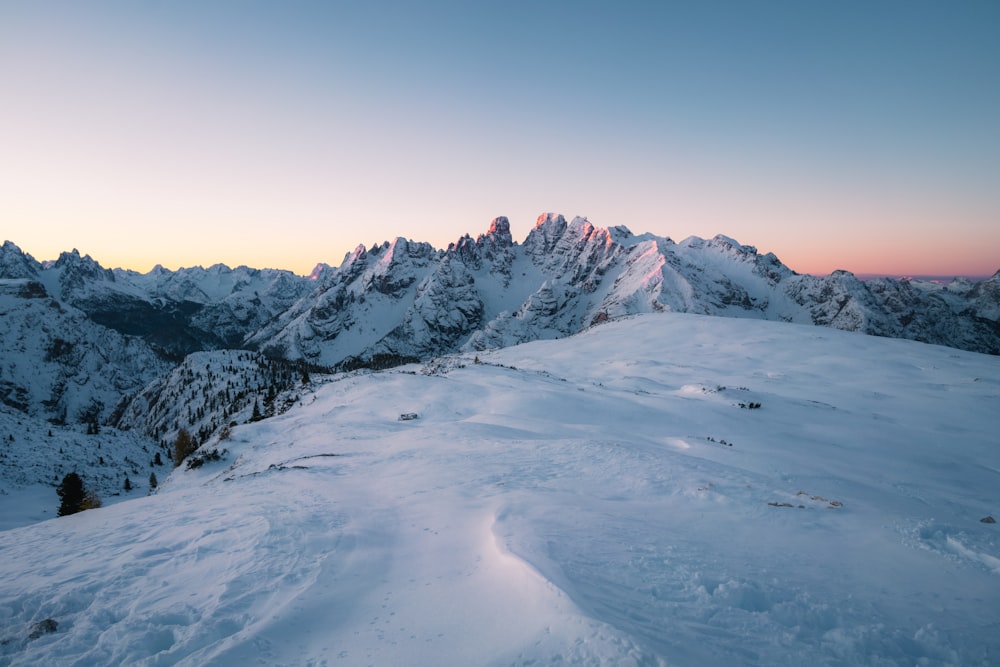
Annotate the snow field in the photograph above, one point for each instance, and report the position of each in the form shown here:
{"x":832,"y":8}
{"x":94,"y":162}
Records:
{"x":562,"y":502}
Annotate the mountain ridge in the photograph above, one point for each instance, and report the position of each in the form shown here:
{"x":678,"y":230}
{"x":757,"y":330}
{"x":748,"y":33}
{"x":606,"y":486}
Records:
{"x":71,"y":325}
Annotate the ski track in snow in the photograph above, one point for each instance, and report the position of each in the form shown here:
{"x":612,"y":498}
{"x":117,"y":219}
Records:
{"x":599,"y":500}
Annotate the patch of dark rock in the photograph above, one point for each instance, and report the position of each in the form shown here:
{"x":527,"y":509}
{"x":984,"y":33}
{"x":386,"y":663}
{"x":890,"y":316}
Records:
{"x":45,"y":627}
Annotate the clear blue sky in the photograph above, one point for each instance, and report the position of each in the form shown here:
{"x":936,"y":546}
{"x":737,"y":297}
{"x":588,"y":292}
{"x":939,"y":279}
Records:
{"x":856,"y":135}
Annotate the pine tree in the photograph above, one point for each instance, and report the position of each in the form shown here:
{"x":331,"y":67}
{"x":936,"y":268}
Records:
{"x":152,"y":480}
{"x":128,"y":483}
{"x":71,"y":493}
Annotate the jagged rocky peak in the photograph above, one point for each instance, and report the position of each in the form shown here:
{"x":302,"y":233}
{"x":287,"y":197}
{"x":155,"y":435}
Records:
{"x":720,"y":243}
{"x":375,"y":248}
{"x":993,"y":282}
{"x":548,"y":219}
{"x":360,"y":254}
{"x":402,"y":249}
{"x":498,"y":233}
{"x":494,"y":243}
{"x":389,"y":252}
{"x":621,"y":234}
{"x":76,"y":272}
{"x":844,"y":277}
{"x":576,"y":248}
{"x":160,"y":271}
{"x":985,"y":299}
{"x":353,"y":265}
{"x":16,"y":264}
{"x":549,"y":228}
{"x":392,"y":269}
{"x":585,"y":231}
{"x":552,"y":231}
{"x":729,"y":243}
{"x":466,"y":249}
{"x":319,"y":271}
{"x":82,"y":266}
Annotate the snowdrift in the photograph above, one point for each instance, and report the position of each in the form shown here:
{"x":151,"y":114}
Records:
{"x":663,"y":489}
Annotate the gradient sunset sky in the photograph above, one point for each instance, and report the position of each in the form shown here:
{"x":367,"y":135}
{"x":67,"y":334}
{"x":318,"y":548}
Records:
{"x":838,"y":135}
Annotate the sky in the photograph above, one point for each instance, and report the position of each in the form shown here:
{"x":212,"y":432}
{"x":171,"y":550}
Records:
{"x":853,"y":135}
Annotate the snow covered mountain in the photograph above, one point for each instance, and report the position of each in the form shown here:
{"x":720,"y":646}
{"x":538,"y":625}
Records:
{"x":405,"y":298}
{"x":664,"y":489}
{"x":59,"y":364}
{"x":173,"y":312}
{"x":78,"y":339}
{"x":82,"y":344}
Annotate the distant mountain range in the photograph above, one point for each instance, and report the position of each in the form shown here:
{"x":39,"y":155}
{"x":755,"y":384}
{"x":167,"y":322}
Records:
{"x":943,"y":279}
{"x":81,"y":342}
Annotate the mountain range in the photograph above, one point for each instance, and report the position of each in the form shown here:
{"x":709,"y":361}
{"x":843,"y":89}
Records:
{"x":676,"y":480}
{"x":81,"y":343}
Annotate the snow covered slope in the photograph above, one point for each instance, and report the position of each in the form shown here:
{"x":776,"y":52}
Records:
{"x":81,"y":344}
{"x":662,"y":489}
{"x":210,"y":390}
{"x":36,"y":455}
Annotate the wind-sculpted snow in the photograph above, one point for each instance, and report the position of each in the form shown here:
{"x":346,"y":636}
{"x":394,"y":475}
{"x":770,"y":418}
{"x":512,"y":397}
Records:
{"x":664,"y":489}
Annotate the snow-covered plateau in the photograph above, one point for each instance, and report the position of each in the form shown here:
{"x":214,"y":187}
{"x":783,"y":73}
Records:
{"x":660,"y":489}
